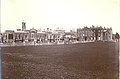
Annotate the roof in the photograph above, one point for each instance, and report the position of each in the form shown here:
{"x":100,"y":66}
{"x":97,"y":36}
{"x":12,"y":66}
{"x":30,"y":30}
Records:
{"x":9,"y":30}
{"x":20,"y":32}
{"x":69,"y":33}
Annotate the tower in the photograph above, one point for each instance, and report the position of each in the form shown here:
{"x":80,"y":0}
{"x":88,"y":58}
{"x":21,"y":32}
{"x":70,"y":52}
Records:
{"x":23,"y":26}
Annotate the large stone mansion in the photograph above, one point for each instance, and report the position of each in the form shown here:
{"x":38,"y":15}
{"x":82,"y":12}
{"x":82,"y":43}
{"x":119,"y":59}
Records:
{"x":59,"y":35}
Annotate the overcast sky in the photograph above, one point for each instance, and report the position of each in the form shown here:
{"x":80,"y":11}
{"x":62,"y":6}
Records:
{"x":67,"y":14}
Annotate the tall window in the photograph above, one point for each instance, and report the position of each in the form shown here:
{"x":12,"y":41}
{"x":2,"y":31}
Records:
{"x":32,"y":35}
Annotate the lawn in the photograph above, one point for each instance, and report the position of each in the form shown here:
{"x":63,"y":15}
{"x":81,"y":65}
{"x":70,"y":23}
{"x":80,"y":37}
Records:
{"x":95,"y":60}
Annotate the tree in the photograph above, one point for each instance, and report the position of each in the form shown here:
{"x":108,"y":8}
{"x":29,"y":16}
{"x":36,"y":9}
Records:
{"x":117,"y":36}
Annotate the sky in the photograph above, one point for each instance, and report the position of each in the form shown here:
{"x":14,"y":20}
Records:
{"x":66,"y":14}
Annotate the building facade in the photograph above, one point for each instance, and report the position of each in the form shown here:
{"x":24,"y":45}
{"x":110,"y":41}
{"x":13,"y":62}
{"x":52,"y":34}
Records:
{"x":85,"y":34}
{"x":94,"y":34}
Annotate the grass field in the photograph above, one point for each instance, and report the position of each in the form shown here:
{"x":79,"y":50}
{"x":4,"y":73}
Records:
{"x":95,"y":60}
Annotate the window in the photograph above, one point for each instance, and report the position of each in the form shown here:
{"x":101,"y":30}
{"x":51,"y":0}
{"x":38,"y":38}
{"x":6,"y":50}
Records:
{"x":10,"y":36}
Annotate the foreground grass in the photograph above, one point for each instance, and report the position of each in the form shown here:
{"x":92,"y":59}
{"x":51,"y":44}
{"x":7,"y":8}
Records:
{"x":97,"y":60}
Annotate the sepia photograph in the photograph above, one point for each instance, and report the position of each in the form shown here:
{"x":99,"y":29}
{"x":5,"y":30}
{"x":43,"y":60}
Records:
{"x":59,"y":39}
